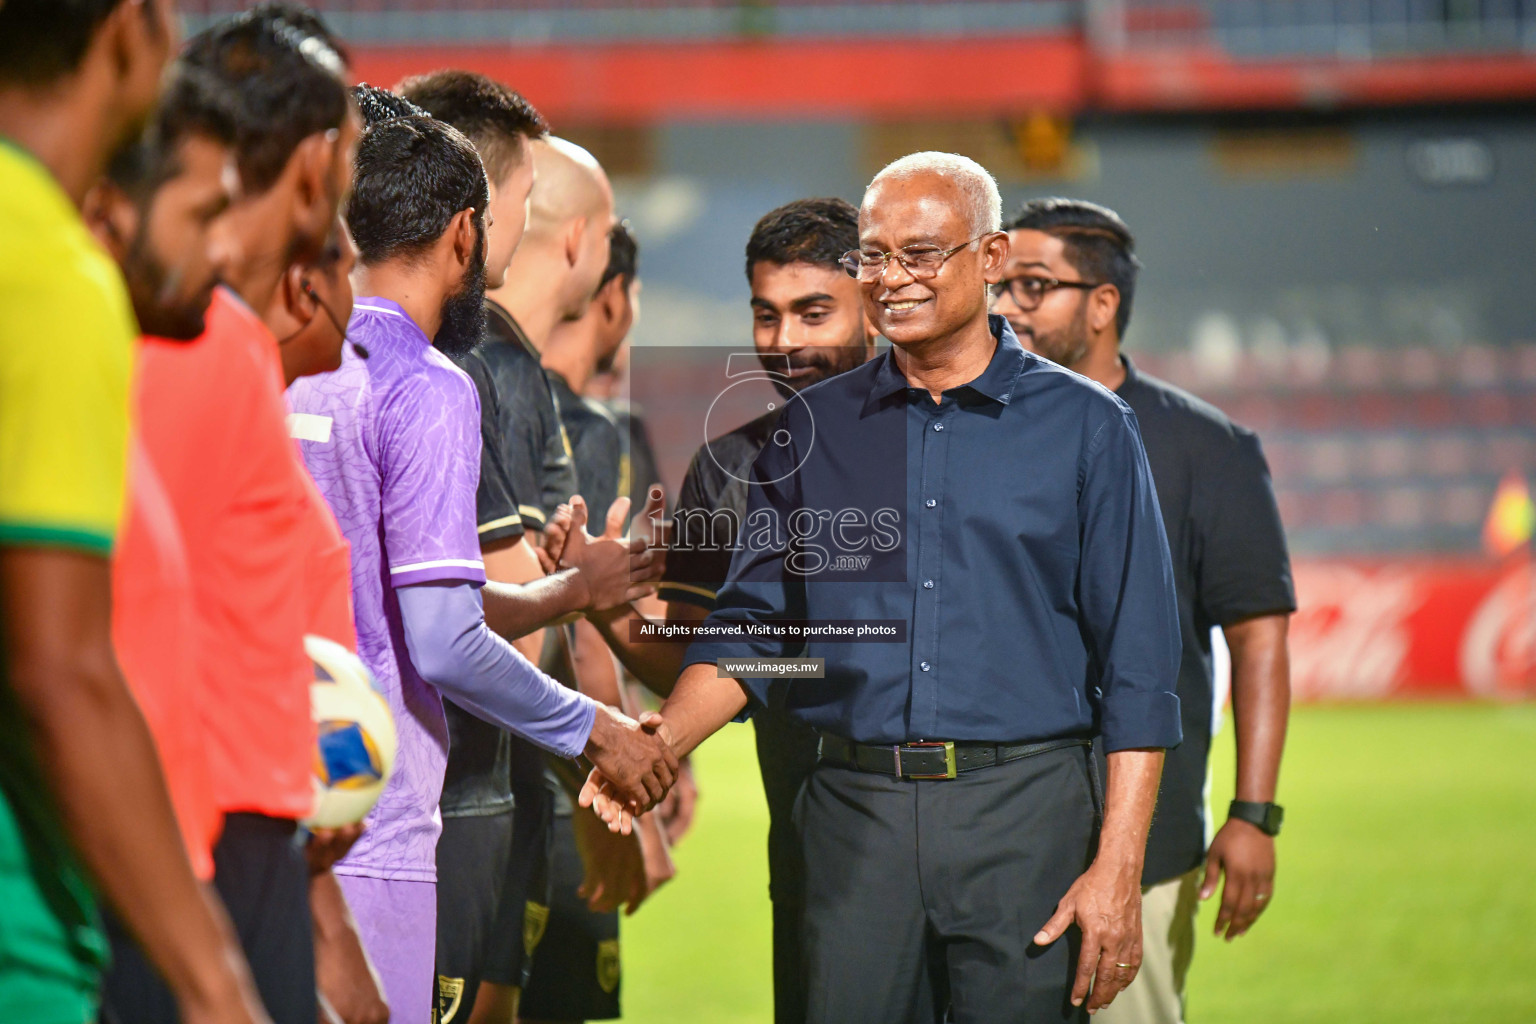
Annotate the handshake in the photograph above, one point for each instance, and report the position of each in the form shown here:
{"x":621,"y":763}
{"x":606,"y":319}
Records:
{"x":635,"y":767}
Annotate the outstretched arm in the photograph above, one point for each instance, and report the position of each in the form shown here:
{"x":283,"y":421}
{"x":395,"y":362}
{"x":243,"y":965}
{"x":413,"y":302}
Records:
{"x":656,"y":663}
{"x":452,"y":647}
{"x":514,"y":562}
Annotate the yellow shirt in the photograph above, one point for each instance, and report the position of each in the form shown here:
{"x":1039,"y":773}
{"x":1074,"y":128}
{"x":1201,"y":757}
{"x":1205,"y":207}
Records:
{"x":66,"y":354}
{"x":66,"y":350}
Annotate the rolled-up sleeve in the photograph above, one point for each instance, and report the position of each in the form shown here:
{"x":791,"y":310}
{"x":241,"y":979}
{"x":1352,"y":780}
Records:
{"x":758,"y":588}
{"x":1125,"y":580}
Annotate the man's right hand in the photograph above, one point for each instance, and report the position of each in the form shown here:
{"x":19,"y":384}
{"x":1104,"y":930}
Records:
{"x":552,"y":541}
{"x":636,"y":760}
{"x":326,"y":846}
{"x":614,"y":570}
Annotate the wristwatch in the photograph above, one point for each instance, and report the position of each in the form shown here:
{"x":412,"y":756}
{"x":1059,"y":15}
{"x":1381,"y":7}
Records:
{"x":1266,"y":817}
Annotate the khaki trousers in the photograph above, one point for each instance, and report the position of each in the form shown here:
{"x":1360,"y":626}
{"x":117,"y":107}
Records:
{"x":1168,"y":912}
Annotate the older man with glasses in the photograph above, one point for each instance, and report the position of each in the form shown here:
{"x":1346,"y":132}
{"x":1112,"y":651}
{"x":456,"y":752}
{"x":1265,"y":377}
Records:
{"x":996,"y":514}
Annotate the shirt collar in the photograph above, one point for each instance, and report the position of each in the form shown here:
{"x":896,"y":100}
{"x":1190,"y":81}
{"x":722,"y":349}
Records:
{"x":997,"y":382}
{"x":1131,"y":375}
{"x":48,"y":185}
{"x":236,"y":300}
{"x":499,"y":311}
{"x":378,"y":305}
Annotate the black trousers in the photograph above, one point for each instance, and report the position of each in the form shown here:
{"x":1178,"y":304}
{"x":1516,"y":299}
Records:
{"x":786,"y":754}
{"x":261,"y":876}
{"x":922,"y":895}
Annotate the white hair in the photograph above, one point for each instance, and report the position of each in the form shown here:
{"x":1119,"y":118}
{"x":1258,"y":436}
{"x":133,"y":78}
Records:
{"x":975,"y":181}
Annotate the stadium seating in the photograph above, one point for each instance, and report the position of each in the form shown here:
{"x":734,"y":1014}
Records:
{"x":1380,"y":450}
{"x":1242,"y":28}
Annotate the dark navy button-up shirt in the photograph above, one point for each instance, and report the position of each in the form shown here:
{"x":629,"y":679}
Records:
{"x":1012,"y":527}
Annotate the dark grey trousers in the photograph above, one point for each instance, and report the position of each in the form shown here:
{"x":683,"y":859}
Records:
{"x":786,"y":753}
{"x":922,"y":895}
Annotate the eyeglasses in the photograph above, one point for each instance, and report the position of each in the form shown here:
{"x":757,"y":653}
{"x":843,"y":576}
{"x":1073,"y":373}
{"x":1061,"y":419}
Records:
{"x":921,"y":261}
{"x":1028,"y":291}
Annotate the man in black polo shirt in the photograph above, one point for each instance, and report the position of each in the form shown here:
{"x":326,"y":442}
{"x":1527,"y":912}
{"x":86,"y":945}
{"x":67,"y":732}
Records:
{"x":1067,"y":291}
{"x":997,"y":513}
{"x":808,"y":324}
{"x":807,"y":319}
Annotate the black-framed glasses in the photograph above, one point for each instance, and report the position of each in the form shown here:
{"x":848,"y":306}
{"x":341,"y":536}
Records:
{"x":921,"y":261}
{"x":1029,"y":290}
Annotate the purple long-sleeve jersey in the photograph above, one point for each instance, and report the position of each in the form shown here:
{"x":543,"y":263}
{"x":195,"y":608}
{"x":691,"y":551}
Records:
{"x":393,"y":442}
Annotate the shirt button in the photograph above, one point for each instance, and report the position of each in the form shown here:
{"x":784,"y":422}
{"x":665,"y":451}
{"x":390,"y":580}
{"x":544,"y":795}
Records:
{"x":938,"y":426}
{"x":930,"y":503}
{"x":923,"y":666}
{"x":927,"y":584}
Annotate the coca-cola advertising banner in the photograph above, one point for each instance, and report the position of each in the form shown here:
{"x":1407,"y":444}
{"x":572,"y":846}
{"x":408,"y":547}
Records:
{"x":1367,"y":630}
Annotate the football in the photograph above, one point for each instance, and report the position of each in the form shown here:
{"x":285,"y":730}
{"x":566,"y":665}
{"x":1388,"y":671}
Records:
{"x":354,"y":736}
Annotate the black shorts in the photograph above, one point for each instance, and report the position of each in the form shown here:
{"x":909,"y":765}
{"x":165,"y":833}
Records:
{"x":522,"y":909}
{"x":472,"y":857}
{"x":576,"y":968}
{"x":262,"y":878}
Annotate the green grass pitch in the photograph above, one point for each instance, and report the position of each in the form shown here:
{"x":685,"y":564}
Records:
{"x":1406,"y":889}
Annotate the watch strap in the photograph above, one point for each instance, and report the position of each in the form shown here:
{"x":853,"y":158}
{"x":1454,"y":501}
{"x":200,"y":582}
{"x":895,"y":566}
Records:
{"x":1267,"y":817}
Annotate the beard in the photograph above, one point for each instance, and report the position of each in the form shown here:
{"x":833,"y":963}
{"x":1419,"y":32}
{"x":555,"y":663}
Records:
{"x":1064,"y":346}
{"x":155,"y":289}
{"x":822,"y":361}
{"x":464,"y":310}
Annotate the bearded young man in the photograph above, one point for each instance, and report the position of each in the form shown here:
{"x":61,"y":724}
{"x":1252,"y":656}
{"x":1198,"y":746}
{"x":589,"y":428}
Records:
{"x":1067,"y":291}
{"x":808,"y":325}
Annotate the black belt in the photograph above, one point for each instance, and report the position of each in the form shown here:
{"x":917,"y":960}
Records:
{"x":933,"y":760}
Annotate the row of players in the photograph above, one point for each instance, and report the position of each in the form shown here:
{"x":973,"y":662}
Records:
{"x":227,"y":555}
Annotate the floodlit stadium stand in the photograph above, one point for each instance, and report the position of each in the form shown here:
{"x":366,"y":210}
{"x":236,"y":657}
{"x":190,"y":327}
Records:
{"x":1321,"y":193}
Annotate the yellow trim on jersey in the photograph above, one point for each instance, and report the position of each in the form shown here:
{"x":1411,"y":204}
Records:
{"x":687,"y":588}
{"x":532,"y":512}
{"x":496,"y":524}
